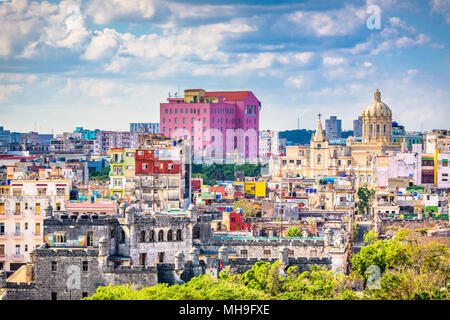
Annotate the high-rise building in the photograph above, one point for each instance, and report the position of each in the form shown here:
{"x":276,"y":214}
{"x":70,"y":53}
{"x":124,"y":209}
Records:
{"x":333,"y":127}
{"x":357,"y":127}
{"x":145,"y":127}
{"x":220,"y":125}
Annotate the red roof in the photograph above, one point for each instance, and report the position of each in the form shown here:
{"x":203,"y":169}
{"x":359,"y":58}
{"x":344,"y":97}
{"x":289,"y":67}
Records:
{"x":229,"y":95}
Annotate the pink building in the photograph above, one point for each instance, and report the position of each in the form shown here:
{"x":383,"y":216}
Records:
{"x":219,"y":125}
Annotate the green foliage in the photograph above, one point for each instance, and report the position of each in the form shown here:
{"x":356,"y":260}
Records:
{"x":303,"y":136}
{"x":355,"y":230}
{"x":246,"y":206}
{"x":370,"y":237}
{"x":102,"y":175}
{"x":220,"y":172}
{"x":364,"y":197}
{"x":410,"y":270}
{"x":206,"y":180}
{"x":293,"y":232}
{"x":403,"y":252}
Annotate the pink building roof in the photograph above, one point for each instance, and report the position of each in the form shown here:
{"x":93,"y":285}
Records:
{"x":228,"y":95}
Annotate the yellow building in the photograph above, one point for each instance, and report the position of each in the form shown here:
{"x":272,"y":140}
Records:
{"x":357,"y":159}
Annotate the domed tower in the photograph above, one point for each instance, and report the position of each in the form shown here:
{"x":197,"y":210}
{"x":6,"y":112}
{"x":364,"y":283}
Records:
{"x":377,"y":122}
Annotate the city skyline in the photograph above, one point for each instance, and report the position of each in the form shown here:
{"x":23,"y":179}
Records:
{"x":72,"y":64}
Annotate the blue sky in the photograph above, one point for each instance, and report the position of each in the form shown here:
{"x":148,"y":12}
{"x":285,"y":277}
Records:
{"x":105,"y":63}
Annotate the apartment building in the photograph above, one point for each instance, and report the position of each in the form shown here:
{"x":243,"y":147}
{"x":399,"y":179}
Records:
{"x":219,"y":125}
{"x":163,"y":174}
{"x":22,"y":203}
{"x":122,"y":171}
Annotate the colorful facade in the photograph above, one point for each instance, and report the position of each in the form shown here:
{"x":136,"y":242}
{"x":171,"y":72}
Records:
{"x":218,"y":124}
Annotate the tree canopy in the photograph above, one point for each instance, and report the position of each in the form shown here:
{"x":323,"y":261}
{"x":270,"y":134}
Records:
{"x":409,"y":270}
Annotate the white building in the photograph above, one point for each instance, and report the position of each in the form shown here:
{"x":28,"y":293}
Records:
{"x":22,"y":205}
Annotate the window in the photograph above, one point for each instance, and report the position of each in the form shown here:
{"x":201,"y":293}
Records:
{"x":58,"y":206}
{"x":17,"y":249}
{"x":26,"y":205}
{"x":152,"y":235}
{"x":90,"y":238}
{"x":42,"y":191}
{"x":169,"y":235}
{"x":85,"y":266}
{"x":60,"y":191}
{"x":145,"y":166}
{"x":60,"y":236}
{"x":38,"y":208}
{"x":266,"y":253}
{"x":17,"y":231}
{"x":54,"y":266}
{"x":299,"y":162}
{"x":26,"y":226}
{"x":54,"y":296}
{"x":444,"y":164}
{"x":17,"y":209}
{"x":319,"y":159}
{"x":142,"y":236}
{"x":122,"y":236}
{"x":244,"y":253}
{"x":37,"y":228}
{"x":2,"y":207}
{"x":2,"y":250}
{"x":178,"y":235}
{"x":291,"y":253}
{"x":161,"y":235}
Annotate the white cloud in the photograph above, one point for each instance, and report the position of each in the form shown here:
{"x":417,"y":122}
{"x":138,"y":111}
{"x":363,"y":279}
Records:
{"x":333,"y":61}
{"x":441,"y":7}
{"x":7,"y":89}
{"x":26,"y":27}
{"x":330,"y":23}
{"x":103,"y":43}
{"x":108,"y":11}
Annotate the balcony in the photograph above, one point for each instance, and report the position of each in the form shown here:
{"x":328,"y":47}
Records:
{"x":16,"y":257}
{"x":3,"y":257}
{"x":3,"y":236}
{"x":37,"y":236}
{"x":17,"y":235}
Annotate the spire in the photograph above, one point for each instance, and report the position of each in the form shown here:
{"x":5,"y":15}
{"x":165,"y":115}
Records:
{"x":319,"y":132}
{"x":377,"y":96}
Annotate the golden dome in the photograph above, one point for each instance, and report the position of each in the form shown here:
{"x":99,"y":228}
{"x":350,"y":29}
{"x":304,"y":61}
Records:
{"x":377,"y":108}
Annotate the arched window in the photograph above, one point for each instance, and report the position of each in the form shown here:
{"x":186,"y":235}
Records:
{"x":161,"y":235}
{"x":319,"y":158}
{"x":384,"y":130}
{"x":142,"y":236}
{"x":371,"y":130}
{"x":169,"y":235}
{"x":196,"y":232}
{"x":178,"y":235}
{"x":152,"y":235}
{"x":378,"y":130}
